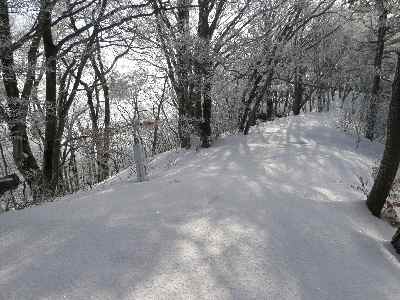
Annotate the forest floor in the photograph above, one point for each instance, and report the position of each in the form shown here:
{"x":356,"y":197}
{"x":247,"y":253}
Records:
{"x":273,"y":215}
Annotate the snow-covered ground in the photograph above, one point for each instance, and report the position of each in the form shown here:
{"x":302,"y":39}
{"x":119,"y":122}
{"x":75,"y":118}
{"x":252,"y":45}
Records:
{"x":268,"y":216}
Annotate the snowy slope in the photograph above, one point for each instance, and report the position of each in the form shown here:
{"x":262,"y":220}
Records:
{"x":267,"y":216}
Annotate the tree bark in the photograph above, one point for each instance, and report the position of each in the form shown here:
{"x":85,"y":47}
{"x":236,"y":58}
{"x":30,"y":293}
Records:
{"x":246,"y":102}
{"x":298,"y":93}
{"x":157,"y":119}
{"x":374,"y":98}
{"x":270,"y":106}
{"x":203,"y":71}
{"x":104,"y":152}
{"x":18,"y":103}
{"x":50,"y":52}
{"x":261,"y":93}
{"x":391,"y":156}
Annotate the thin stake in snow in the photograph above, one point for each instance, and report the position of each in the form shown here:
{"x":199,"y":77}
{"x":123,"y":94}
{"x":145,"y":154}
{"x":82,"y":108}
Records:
{"x":139,"y":157}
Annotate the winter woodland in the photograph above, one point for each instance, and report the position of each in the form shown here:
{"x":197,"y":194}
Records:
{"x":91,"y":89}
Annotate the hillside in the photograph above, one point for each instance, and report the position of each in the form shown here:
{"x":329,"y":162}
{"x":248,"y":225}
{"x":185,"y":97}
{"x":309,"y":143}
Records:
{"x":273,"y":215}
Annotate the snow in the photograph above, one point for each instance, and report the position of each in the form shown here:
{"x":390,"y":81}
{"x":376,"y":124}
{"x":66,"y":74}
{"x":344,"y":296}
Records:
{"x":268,"y":216}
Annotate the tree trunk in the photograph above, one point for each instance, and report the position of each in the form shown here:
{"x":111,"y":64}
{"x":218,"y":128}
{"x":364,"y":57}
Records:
{"x":183,"y":71}
{"x":286,"y":103}
{"x":104,"y":154}
{"x":51,"y":52}
{"x":373,"y":104}
{"x":391,"y":156}
{"x":320,"y":103}
{"x":270,"y":106}
{"x":178,"y":64}
{"x":207,"y":106}
{"x":203,"y":75}
{"x":93,"y":113}
{"x":298,"y":94}
{"x":157,"y":119}
{"x":18,"y":104}
{"x":254,"y":81}
{"x":258,"y":93}
{"x":262,"y":92}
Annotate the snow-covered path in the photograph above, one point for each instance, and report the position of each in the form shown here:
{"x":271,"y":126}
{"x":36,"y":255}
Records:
{"x":267,"y":216}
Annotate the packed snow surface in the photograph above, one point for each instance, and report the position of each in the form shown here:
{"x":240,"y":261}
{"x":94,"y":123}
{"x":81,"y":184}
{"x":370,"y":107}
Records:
{"x":273,"y":215}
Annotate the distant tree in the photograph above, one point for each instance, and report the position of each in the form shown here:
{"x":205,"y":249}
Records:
{"x":279,"y":24}
{"x":191,"y":54}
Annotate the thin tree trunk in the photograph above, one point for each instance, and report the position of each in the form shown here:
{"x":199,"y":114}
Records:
{"x":270,"y":106}
{"x":157,"y":119}
{"x":93,"y":113}
{"x":286,"y":103}
{"x":298,"y":93}
{"x":373,"y":104}
{"x":320,"y":103}
{"x":104,"y":154}
{"x":255,"y":81}
{"x":263,"y":91}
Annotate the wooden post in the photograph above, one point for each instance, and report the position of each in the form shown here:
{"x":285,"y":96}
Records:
{"x":138,"y":154}
{"x":139,"y":157}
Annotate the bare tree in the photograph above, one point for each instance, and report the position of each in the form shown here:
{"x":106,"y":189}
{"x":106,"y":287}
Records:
{"x":60,"y":91}
{"x":191,"y":59}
